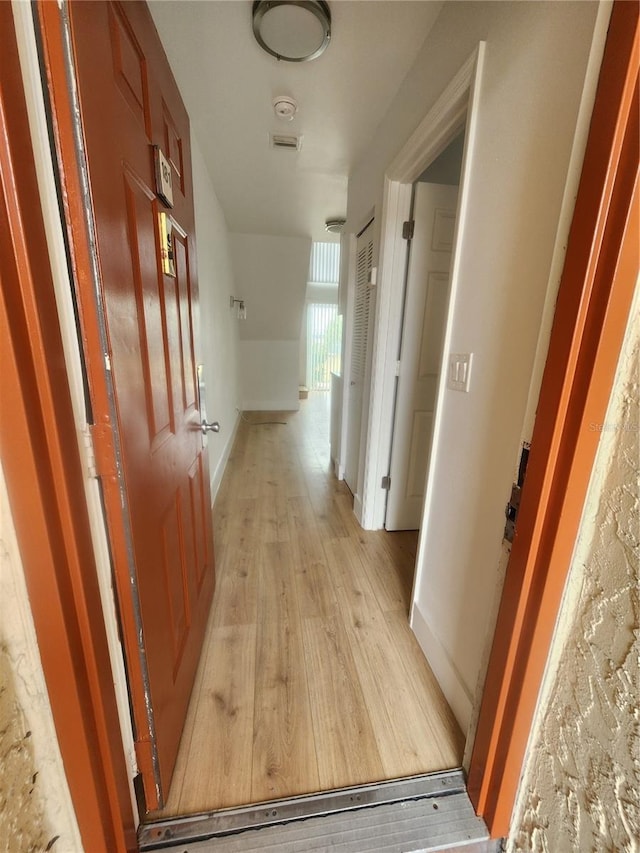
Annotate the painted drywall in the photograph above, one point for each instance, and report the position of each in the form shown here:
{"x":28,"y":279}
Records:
{"x":218,"y":325}
{"x":271,"y":276}
{"x":580,"y":785}
{"x":269,"y":371}
{"x":35,"y":805}
{"x":536,"y":59}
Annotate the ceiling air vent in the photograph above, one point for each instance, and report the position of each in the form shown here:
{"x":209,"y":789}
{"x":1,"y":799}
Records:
{"x":288,"y":143}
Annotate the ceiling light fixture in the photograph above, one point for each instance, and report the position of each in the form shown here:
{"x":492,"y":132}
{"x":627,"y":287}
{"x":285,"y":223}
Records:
{"x":285,"y":107}
{"x":334,"y":226}
{"x":292,"y":30}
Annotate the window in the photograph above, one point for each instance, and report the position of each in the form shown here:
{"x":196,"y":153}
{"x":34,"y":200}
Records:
{"x":324,"y":345}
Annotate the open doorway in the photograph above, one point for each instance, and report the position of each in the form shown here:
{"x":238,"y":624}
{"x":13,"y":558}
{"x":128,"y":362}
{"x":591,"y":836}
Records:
{"x":426,"y":306}
{"x":321,"y":332}
{"x":324,"y":340}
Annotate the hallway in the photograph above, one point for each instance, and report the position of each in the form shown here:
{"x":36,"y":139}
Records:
{"x":310,"y":678}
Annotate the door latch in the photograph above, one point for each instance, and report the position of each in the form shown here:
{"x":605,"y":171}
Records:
{"x":513,"y":506}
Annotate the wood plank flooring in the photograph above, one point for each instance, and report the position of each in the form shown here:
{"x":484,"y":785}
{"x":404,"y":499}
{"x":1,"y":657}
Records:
{"x":310,"y":678}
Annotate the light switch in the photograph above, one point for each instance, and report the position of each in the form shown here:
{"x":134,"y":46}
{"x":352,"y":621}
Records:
{"x":459,"y":374}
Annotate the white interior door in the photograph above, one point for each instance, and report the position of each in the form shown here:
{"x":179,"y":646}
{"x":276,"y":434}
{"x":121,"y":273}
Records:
{"x":359,"y":349}
{"x":425,"y":315}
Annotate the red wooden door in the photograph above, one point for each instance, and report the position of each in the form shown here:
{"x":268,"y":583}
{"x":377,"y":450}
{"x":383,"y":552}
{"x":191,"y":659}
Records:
{"x":129,"y":104}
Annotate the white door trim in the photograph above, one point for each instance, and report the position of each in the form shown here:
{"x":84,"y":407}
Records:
{"x":440,"y":125}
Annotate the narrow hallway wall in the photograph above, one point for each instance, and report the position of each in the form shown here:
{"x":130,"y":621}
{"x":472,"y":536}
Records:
{"x":271,"y":276}
{"x":540,"y":71}
{"x":218,"y":327}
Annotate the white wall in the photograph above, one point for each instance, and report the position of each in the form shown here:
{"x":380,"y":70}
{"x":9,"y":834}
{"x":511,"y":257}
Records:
{"x":270,"y":376}
{"x":271,"y":276}
{"x":218,"y":326}
{"x":534,"y":74}
{"x":580,"y":779}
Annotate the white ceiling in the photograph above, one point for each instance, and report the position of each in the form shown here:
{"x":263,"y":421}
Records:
{"x":228,"y":83}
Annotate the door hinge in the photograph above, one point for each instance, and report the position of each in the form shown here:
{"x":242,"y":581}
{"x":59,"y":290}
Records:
{"x":397,"y":368}
{"x":512,"y":508}
{"x":408,"y":228}
{"x":90,"y":454}
{"x":386,"y":483}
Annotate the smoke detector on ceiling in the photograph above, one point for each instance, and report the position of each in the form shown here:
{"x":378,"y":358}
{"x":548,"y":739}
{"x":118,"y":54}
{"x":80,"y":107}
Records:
{"x":285,"y":107}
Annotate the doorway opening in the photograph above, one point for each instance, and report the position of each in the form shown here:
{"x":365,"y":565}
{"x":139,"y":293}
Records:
{"x":324,"y":345}
{"x":424,"y":320}
{"x":492,"y":778}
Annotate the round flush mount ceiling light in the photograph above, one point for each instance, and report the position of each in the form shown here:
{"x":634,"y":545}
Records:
{"x":334,"y":226}
{"x":292,"y":30}
{"x":285,"y":107}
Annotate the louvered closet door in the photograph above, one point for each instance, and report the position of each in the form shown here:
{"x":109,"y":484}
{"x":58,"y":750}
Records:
{"x":362,"y":318}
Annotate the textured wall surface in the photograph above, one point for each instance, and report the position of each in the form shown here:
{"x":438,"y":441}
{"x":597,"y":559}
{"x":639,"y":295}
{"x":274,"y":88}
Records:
{"x":36,"y":813}
{"x":23,"y":824}
{"x":580,"y":787}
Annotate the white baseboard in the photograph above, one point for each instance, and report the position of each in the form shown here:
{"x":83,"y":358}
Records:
{"x":451,"y":684}
{"x":218,"y":474}
{"x":338,"y":470}
{"x":291,"y":405}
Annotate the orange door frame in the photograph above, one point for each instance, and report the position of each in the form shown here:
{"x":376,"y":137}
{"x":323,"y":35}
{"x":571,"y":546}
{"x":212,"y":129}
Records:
{"x":45,"y":482}
{"x":45,"y":479}
{"x":594,"y":300}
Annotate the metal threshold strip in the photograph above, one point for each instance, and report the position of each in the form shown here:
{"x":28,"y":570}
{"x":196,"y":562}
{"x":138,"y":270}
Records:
{"x":418,"y":810}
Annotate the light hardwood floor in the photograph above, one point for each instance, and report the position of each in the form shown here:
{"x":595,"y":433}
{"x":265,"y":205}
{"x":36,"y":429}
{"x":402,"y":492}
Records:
{"x":310,"y":678}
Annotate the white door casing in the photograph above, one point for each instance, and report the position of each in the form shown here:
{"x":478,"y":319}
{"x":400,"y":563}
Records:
{"x":425,"y":315}
{"x":456,"y":108}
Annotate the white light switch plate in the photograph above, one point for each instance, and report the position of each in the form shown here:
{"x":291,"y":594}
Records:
{"x":459,"y":374}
